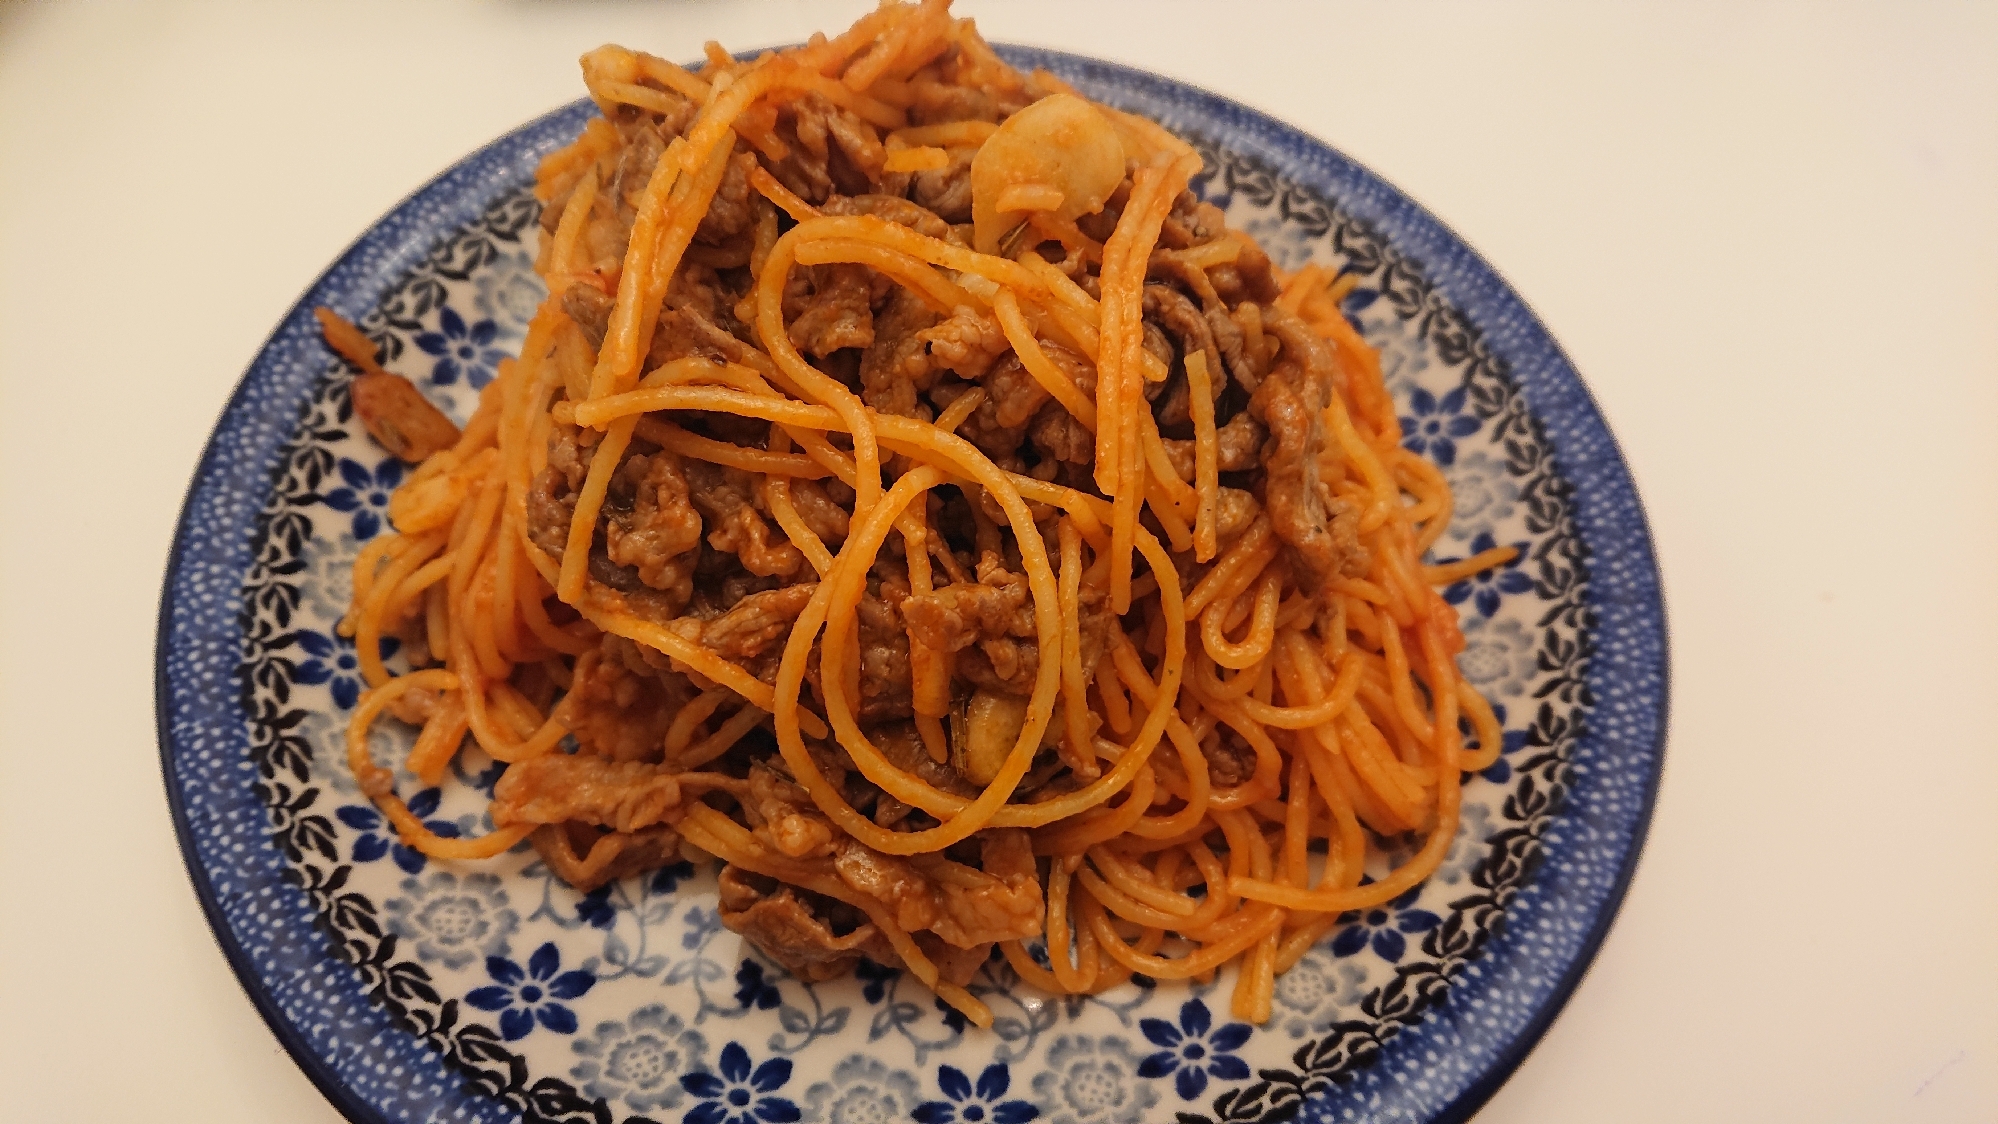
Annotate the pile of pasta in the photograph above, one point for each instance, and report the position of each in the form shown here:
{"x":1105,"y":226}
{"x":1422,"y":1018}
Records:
{"x":1338,"y":691}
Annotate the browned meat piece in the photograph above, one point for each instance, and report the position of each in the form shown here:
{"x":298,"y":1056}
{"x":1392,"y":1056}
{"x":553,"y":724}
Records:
{"x":837,"y":312}
{"x":946,"y":191}
{"x":590,"y":308}
{"x":1177,"y":317}
{"x":827,"y":519}
{"x":815,"y":937}
{"x":956,"y":965}
{"x":901,"y":743}
{"x":1229,"y":763}
{"x":966,"y":342}
{"x":1057,"y":435}
{"x":757,"y":621}
{"x":782,"y":812}
{"x":1234,"y":511}
{"x":624,"y":702}
{"x":660,"y":528}
{"x":897,"y":367}
{"x":642,"y":148}
{"x":964,"y":906}
{"x":1320,"y":530}
{"x":397,"y":414}
{"x":953,"y":618}
{"x":895,"y":209}
{"x":982,"y":428}
{"x":729,"y":214}
{"x":884,"y":645}
{"x":728,"y":497}
{"x":1238,"y":441}
{"x":1191,"y":223}
{"x":937,"y":101}
{"x":1247,"y":278}
{"x":699,"y":290}
{"x":586,"y":857}
{"x":1015,"y":394}
{"x":834,"y":150}
{"x":1225,"y":333}
{"x":685,"y":331}
{"x":560,"y":787}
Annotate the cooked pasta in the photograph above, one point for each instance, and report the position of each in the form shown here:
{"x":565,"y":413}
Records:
{"x":912,"y":496}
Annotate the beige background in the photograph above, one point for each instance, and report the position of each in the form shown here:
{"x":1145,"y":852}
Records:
{"x":1765,"y":233}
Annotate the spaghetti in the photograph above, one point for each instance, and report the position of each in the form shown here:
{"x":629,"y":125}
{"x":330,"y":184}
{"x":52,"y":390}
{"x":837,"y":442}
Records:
{"x":1067,"y":591}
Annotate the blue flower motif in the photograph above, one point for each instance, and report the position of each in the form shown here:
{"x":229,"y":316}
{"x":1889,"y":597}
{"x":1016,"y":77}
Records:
{"x":365,"y":495}
{"x":701,"y":923}
{"x":667,"y":879}
{"x":376,"y":840}
{"x":752,"y":990}
{"x":1484,"y":494}
{"x":739,"y":1095}
{"x":1194,"y":1050}
{"x":1436,"y":425}
{"x":1500,"y":771}
{"x":453,"y":921}
{"x":1317,"y":993}
{"x":975,"y":1104}
{"x":509,"y":292}
{"x":524,"y":998}
{"x":1093,"y":1081}
{"x":877,"y":979}
{"x":333,"y":659}
{"x":462,"y":350}
{"x":1483,"y":588}
{"x":1383,"y":927}
{"x":1498,"y":656}
{"x":862,"y":1090}
{"x":639,"y":1060}
{"x":596,"y":909}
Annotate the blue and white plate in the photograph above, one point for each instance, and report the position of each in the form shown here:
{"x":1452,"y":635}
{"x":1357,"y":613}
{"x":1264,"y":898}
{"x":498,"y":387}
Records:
{"x":419,"y":991}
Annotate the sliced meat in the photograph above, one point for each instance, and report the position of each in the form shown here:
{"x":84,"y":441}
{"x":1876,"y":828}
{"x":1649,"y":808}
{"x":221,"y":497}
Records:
{"x":1320,"y":530}
{"x":757,"y":621}
{"x":816,"y":507}
{"x":559,"y":788}
{"x":835,"y":311}
{"x":587,"y":857}
{"x":897,"y":367}
{"x":893,"y":208}
{"x":963,"y":905}
{"x":814,"y":937}
{"x":660,"y":528}
{"x":590,"y":308}
{"x":996,"y":606}
{"x":946,"y":191}
{"x":728,"y":496}
{"x":1237,"y":444}
{"x":884,"y":646}
{"x":730,"y":212}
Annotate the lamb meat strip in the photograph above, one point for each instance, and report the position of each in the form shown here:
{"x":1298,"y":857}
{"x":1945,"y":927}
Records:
{"x":837,"y":310}
{"x":560,"y":787}
{"x":659,"y":528}
{"x":895,"y":209}
{"x":816,"y":938}
{"x":963,"y":905}
{"x":727,"y":496}
{"x":587,"y":857}
{"x":1238,"y":443}
{"x":757,"y":621}
{"x":1320,"y":530}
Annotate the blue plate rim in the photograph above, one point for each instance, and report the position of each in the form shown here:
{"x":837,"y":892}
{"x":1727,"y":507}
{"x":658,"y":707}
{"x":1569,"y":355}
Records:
{"x":1605,"y":468}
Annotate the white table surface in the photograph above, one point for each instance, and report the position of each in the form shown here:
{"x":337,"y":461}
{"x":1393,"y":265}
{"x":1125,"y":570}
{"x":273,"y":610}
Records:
{"x":1767,"y":234}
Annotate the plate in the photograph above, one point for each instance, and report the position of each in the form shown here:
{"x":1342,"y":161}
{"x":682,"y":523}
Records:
{"x":414,"y":990}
